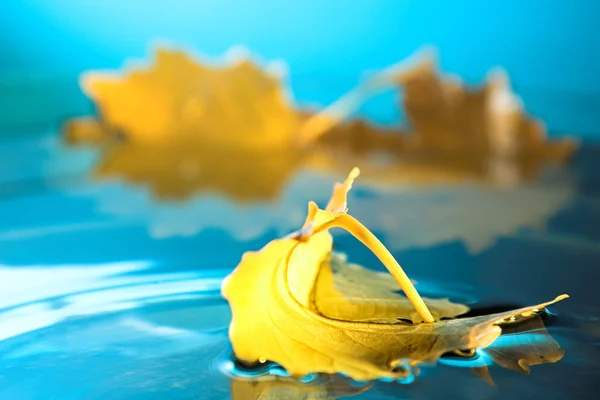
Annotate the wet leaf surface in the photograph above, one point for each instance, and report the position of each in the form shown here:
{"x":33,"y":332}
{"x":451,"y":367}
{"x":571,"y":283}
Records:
{"x":274,"y":317}
{"x":353,"y":293}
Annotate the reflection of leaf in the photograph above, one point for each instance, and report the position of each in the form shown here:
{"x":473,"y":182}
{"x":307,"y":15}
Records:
{"x":402,"y":163}
{"x":177,"y":171}
{"x":85,"y":130}
{"x":276,"y":388}
{"x":475,"y":216}
{"x":520,"y":346}
{"x":483,"y":373}
{"x":394,"y":157}
{"x":530,"y":345}
{"x":271,"y":294}
{"x":235,"y":105}
{"x":353,"y":293}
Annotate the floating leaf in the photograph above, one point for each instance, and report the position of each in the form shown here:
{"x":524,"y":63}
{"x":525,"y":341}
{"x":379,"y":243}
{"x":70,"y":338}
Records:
{"x":235,"y":104}
{"x":350,"y":292}
{"x":272,"y":297}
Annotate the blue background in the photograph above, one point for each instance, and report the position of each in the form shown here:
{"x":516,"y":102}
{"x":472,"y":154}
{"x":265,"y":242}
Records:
{"x":551,"y":49}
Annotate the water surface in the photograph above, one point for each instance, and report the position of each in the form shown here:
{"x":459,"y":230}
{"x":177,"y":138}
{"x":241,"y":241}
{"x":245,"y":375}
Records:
{"x":108,"y":293}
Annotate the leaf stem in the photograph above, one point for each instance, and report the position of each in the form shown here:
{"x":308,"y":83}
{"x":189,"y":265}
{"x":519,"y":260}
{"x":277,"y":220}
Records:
{"x":360,"y":232}
{"x":343,"y":107}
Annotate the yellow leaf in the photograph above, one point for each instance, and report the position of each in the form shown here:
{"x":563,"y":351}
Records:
{"x":236,"y":104}
{"x":350,"y":292}
{"x":184,"y":122}
{"x":272,"y":297}
{"x":487,"y":121}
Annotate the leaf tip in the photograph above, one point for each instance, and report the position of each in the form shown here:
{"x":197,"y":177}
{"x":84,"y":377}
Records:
{"x":338,"y":201}
{"x":354,"y":173}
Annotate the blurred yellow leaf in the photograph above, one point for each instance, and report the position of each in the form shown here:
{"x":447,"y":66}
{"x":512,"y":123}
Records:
{"x":185,"y":123}
{"x":237,"y":104}
{"x":487,"y":121}
{"x":274,"y":314}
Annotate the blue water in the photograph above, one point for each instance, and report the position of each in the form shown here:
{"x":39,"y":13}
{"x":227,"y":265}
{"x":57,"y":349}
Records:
{"x":108,"y":293}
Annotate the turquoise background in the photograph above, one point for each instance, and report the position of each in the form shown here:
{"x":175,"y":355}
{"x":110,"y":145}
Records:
{"x":550,"y":48}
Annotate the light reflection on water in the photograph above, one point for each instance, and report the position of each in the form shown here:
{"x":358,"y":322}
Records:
{"x":150,"y":335}
{"x":75,"y":323}
{"x":35,"y":298}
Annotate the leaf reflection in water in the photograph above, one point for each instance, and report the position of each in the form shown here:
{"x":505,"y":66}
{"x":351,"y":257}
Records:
{"x":269,"y":195}
{"x":520,"y":347}
{"x":524,"y":344}
{"x":176,"y":171}
{"x":320,"y":387}
{"x":528,"y":345}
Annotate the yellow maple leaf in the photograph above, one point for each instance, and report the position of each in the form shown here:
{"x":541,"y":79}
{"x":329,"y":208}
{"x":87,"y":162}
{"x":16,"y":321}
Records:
{"x":237,"y":104}
{"x":274,"y":317}
{"x":491,"y":120}
{"x":192,"y":121}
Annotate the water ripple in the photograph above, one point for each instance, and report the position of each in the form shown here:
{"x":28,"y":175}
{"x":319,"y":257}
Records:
{"x":38,"y":297}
